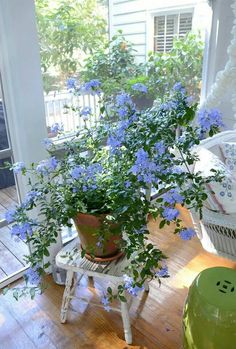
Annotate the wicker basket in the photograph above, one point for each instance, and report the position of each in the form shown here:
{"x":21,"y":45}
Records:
{"x":217,"y":232}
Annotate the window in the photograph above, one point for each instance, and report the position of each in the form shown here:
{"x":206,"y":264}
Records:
{"x":166,"y":27}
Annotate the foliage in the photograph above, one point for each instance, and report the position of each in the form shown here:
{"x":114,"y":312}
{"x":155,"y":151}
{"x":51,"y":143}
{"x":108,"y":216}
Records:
{"x":108,"y":168}
{"x":68,"y":30}
{"x":183,"y":63}
{"x":112,"y":64}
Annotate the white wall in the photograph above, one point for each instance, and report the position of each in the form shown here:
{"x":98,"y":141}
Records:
{"x":136,"y":19}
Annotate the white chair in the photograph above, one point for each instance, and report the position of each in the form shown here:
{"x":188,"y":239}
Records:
{"x":69,"y":258}
{"x":217,"y":231}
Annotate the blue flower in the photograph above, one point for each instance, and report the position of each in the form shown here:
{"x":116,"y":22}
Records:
{"x":129,"y":286}
{"x":10,"y":215}
{"x":71,"y":84}
{"x":56,"y":127}
{"x":18,"y":167}
{"x":123,"y":99}
{"x":171,"y":105}
{"x":163,"y":272}
{"x":113,"y":142}
{"x":209,"y":118}
{"x":47,"y":143}
{"x":143,"y":167}
{"x":139,"y":87}
{"x":170,"y":213}
{"x":178,"y":86}
{"x":187,"y":233}
{"x":160,"y":148}
{"x":32,"y":276}
{"x":172,"y":197}
{"x":106,"y":303}
{"x":86,"y":111}
{"x":22,"y":230}
{"x":45,"y":166}
{"x":31,"y":196}
{"x":92,"y":87}
{"x":77,"y":172}
{"x":127,"y":184}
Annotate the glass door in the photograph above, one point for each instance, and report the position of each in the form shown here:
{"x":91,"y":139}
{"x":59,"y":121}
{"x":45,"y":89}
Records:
{"x":12,"y":251}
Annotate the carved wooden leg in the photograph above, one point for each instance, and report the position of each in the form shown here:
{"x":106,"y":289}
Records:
{"x":67,"y":295}
{"x":126,"y":322}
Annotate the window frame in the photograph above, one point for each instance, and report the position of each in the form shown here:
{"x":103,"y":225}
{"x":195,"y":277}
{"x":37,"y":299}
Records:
{"x":162,"y":12}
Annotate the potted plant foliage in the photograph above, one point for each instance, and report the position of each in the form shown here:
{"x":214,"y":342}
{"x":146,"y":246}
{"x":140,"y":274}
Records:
{"x":100,"y":181}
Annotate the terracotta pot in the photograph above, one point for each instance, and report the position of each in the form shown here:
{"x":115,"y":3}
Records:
{"x":88,"y":226}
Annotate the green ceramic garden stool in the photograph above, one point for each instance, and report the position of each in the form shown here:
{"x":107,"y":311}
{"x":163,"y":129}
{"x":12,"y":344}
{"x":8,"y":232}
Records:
{"x":209,"y":320}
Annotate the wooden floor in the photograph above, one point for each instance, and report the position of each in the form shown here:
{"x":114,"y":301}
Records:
{"x":156,"y":318}
{"x":11,"y":251}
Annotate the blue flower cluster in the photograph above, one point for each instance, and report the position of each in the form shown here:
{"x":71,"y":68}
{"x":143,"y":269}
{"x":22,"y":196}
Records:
{"x":22,"y":230}
{"x":18,"y":167}
{"x":32,"y":276}
{"x":170,"y":213}
{"x":106,"y":303}
{"x":71,"y":84}
{"x":56,"y":127}
{"x":187,"y":233}
{"x":89,"y":174}
{"x":143,"y":167}
{"x":85,"y":112}
{"x":172,"y":197}
{"x":44,"y":167}
{"x":208,"y":118}
{"x":10,"y":215}
{"x":31,"y":197}
{"x":139,"y":87}
{"x":160,"y":148}
{"x":128,"y":284}
{"x":93,"y":87}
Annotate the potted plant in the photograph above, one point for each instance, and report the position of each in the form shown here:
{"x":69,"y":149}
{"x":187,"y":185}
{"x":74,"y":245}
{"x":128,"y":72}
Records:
{"x":142,"y":92}
{"x":100,"y":178}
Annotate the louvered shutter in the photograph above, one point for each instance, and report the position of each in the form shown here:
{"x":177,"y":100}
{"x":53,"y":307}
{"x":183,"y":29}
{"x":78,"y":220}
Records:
{"x":167,"y":27}
{"x":185,"y":23}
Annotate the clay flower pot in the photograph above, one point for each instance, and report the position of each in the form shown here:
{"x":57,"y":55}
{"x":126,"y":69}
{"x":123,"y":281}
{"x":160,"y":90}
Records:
{"x":88,"y":227}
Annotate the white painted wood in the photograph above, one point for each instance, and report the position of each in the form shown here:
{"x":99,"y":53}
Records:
{"x":67,"y":296}
{"x":217,"y":231}
{"x":69,"y":258}
{"x":126,"y":322}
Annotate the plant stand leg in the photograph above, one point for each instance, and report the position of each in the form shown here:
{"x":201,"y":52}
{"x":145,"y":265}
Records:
{"x":146,"y":286}
{"x":67,"y":295}
{"x":126,"y":322}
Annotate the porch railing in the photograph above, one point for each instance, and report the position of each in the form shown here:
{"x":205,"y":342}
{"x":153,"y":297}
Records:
{"x":56,"y":111}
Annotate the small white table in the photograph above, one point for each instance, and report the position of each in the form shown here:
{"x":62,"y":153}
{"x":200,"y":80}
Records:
{"x":69,"y":258}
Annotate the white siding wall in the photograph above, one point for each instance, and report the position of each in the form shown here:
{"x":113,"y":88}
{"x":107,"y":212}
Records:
{"x":130,"y":17}
{"x":135,"y":19}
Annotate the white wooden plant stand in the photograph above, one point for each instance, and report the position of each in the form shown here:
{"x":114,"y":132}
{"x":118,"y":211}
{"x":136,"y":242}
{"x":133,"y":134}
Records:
{"x":69,"y":258}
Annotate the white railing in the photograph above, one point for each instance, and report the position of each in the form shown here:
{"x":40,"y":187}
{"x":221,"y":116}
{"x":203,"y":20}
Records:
{"x":55,"y":103}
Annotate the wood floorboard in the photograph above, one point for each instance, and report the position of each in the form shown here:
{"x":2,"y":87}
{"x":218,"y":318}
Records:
{"x":8,"y":199}
{"x":9,"y":263}
{"x":11,"y":251}
{"x":156,"y":317}
{"x":16,"y":246}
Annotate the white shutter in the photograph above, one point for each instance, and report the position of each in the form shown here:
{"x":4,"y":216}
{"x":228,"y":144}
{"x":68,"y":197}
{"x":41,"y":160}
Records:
{"x":185,"y":23}
{"x":166,"y":27}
